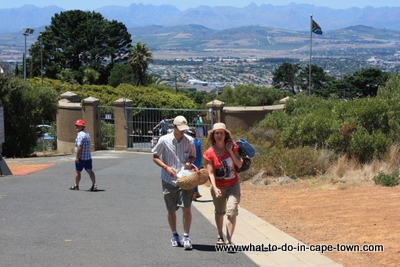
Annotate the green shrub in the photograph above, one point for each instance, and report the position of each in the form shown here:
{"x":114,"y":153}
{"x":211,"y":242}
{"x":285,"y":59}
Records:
{"x":107,"y":134}
{"x":304,"y":161}
{"x":390,"y":180}
{"x":365,"y":146}
{"x":278,"y":119}
{"x":312,"y":129}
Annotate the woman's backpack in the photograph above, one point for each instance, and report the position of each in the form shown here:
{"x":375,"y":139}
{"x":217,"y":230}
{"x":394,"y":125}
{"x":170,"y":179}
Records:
{"x":246,"y":151}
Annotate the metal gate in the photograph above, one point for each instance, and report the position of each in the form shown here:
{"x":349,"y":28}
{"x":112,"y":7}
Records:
{"x":142,"y":136}
{"x":107,"y":134}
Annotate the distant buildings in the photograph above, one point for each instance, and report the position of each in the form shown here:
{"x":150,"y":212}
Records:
{"x":197,"y":82}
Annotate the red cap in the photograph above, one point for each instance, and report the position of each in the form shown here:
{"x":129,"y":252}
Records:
{"x":79,"y":123}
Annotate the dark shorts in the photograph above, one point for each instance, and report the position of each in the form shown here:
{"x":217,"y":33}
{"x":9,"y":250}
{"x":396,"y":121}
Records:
{"x":87,"y":164}
{"x":175,"y":197}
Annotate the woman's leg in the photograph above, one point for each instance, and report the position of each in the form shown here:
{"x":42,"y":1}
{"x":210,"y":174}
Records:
{"x":230,"y":228}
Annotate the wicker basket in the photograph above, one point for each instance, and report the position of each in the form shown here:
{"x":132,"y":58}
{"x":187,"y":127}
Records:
{"x":192,"y":180}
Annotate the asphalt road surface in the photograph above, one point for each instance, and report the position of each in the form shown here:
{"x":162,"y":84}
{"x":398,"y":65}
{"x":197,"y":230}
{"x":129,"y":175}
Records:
{"x":43,"y":223}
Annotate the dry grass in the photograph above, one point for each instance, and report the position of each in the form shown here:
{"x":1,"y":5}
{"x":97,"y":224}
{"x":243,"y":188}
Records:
{"x":351,"y":171}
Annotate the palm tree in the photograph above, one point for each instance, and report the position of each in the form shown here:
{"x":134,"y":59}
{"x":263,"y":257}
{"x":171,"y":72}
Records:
{"x":91,"y":76}
{"x":139,"y":58}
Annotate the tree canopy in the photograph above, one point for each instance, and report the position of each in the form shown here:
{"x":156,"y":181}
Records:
{"x":25,"y":106}
{"x":285,"y":77}
{"x":77,"y":40}
{"x":251,"y":95}
{"x":363,"y":128}
{"x":362,"y":83}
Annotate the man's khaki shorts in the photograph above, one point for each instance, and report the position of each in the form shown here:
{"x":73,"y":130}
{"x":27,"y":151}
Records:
{"x":175,"y":197}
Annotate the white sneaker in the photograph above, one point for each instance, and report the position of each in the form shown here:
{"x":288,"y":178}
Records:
{"x":176,"y":241}
{"x":187,"y":243}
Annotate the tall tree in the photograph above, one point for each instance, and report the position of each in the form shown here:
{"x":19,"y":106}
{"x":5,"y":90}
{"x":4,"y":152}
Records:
{"x":76,"y":40}
{"x":286,"y":76}
{"x":318,"y":78}
{"x":362,"y":83}
{"x":367,"y":81}
{"x":139,"y":58}
{"x":121,"y":73}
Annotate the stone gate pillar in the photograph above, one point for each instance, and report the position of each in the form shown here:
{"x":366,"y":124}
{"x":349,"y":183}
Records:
{"x":69,"y":111}
{"x":90,"y":114}
{"x":121,"y":115}
{"x":217,"y":107}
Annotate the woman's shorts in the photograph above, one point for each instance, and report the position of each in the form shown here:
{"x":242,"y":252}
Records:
{"x":229,"y":201}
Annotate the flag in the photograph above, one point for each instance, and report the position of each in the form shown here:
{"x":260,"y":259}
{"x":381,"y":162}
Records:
{"x":316,"y":28}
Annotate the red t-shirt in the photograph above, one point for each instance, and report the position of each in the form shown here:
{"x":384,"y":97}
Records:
{"x":224,"y":167}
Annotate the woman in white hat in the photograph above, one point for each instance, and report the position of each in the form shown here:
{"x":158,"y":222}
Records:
{"x":222,"y":160}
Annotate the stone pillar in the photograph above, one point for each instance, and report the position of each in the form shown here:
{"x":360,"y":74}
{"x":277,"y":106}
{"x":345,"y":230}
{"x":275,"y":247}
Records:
{"x":90,"y":114}
{"x":68,"y":113}
{"x":216,"y":113}
{"x":71,"y":97}
{"x":121,"y":115}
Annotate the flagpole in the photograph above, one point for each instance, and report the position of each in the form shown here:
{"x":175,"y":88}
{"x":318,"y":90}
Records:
{"x":309,"y":67}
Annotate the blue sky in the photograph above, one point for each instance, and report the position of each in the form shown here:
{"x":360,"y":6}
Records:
{"x":185,"y":4}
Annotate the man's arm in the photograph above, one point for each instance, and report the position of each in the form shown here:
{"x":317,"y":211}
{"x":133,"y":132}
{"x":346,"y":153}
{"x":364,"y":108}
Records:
{"x":159,"y":162}
{"x":78,"y":153}
{"x":192,"y":155}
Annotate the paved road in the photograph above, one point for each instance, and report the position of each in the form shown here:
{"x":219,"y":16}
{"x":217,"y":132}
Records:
{"x":42,"y":223}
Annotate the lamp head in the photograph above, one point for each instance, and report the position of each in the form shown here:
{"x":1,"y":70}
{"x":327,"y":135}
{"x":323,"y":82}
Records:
{"x":28,"y":31}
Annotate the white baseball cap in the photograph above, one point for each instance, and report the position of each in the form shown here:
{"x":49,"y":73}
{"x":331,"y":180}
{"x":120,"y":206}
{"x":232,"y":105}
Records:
{"x":181,"y":123}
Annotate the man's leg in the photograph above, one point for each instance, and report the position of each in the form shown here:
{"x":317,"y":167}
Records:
{"x":187,"y":219}
{"x":77,"y":177}
{"x":92,"y":176}
{"x":172,"y":220}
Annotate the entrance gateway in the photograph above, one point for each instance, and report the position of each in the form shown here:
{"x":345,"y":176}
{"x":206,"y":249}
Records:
{"x":141,"y":135}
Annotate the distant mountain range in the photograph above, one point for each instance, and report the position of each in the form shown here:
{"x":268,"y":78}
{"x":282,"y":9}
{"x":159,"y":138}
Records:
{"x":199,"y":38}
{"x":295,"y":17}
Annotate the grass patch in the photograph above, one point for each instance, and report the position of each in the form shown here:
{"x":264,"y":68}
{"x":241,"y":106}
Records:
{"x":390,"y":180}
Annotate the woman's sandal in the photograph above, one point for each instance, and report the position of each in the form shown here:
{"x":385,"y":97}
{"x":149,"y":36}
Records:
{"x":93,"y":188}
{"x":74,"y":187}
{"x":220,"y":241}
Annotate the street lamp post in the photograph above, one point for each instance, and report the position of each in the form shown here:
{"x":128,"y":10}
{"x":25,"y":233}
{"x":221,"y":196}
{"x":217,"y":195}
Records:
{"x":26,"y":32}
{"x":41,"y":57}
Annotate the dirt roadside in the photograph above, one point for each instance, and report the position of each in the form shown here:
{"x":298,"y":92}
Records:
{"x":317,"y":212}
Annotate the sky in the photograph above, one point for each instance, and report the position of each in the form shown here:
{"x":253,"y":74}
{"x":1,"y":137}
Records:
{"x":185,"y":4}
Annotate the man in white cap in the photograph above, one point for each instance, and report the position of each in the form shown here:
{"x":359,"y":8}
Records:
{"x":172,"y":152}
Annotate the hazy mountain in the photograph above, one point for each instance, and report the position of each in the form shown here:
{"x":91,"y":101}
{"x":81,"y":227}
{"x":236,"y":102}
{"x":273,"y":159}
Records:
{"x":28,"y":16}
{"x":139,"y":14}
{"x":290,"y":17}
{"x":199,"y":38}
